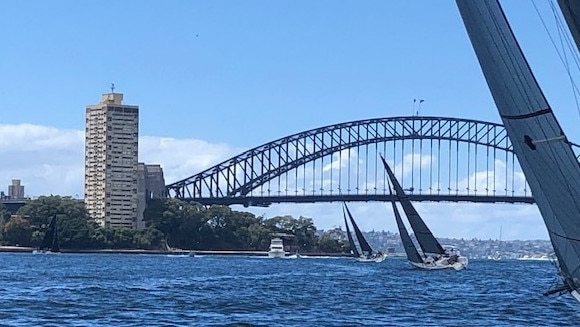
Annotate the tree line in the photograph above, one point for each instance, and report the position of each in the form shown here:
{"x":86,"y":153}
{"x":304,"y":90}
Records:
{"x":170,"y":223}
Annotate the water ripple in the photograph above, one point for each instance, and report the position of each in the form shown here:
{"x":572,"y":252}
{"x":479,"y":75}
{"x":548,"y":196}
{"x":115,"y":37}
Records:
{"x":153,"y":290}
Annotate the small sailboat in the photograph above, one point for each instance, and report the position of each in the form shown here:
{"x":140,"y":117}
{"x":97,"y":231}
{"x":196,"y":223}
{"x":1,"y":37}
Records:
{"x":366,"y":254}
{"x":544,"y":152}
{"x":50,"y":242}
{"x":435,"y":256}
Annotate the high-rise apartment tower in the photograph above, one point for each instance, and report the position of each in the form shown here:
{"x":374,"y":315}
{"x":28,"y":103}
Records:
{"x":111,"y":154}
{"x":16,"y":190}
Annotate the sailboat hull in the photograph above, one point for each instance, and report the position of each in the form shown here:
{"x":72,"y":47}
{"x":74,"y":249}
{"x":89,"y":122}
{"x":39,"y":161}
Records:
{"x":443,"y":264}
{"x":375,"y":259}
{"x":576,"y":295}
{"x":44,"y":252}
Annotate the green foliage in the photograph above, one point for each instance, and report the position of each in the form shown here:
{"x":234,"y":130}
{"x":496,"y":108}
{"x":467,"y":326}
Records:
{"x":333,"y":241}
{"x":76,"y":229}
{"x":300,"y":232}
{"x":180,"y":222}
{"x":171,"y":223}
{"x":17,"y":231}
{"x":75,"y":226}
{"x":4,"y":216}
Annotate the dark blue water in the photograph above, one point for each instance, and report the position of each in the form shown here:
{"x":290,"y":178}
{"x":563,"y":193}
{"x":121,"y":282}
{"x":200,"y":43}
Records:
{"x":157,"y":290}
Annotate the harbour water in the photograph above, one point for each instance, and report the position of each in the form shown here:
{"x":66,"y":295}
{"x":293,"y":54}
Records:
{"x":164,"y":290}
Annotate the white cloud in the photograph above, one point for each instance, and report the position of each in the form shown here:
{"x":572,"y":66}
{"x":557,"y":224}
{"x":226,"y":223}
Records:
{"x":181,"y":158}
{"x":341,"y":159}
{"x":47,"y":160}
{"x":51,"y":161}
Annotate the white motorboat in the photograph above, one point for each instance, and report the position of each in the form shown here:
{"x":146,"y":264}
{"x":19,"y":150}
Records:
{"x":276,"y":248}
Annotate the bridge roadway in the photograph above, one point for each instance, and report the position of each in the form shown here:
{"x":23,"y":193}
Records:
{"x":13,"y":205}
{"x":267,"y":200}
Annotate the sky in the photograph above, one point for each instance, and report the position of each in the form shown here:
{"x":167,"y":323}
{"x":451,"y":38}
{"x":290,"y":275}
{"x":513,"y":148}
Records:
{"x":215,"y":78}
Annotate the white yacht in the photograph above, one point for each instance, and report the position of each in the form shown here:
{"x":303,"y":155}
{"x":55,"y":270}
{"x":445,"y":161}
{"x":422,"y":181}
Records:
{"x":276,"y":248}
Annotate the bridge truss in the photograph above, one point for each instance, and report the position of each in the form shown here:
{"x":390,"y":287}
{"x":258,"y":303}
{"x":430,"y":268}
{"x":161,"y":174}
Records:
{"x":434,"y":158}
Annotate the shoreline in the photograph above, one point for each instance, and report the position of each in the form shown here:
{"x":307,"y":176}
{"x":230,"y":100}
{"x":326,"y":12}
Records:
{"x":24,"y":249}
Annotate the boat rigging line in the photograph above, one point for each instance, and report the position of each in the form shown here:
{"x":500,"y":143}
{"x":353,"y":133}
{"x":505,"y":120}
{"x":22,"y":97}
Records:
{"x":564,"y":39}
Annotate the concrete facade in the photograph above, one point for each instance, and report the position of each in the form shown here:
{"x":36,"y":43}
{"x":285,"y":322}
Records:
{"x":16,"y":190}
{"x":151,"y":185}
{"x":111,"y":158}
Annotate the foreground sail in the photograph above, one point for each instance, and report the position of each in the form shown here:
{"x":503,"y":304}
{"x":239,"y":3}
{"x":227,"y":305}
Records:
{"x":435,"y":256}
{"x":367,"y":255}
{"x":50,"y":242}
{"x":542,"y":149}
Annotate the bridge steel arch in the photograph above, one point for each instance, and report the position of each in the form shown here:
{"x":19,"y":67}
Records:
{"x":250,"y":177}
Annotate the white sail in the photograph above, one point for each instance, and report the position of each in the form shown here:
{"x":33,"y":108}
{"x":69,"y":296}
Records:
{"x":544,"y":153}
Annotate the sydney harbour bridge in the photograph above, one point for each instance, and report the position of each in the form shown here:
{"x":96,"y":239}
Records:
{"x":434,"y":158}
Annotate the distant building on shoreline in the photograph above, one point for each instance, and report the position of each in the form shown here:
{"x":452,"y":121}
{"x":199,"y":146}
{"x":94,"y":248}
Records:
{"x":150,"y":185}
{"x":111,"y":160}
{"x":16,"y":190}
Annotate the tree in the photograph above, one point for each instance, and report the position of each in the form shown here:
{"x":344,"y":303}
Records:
{"x":4,"y":216}
{"x":179,"y":221}
{"x":17,"y":231}
{"x":302,"y":229}
{"x":333,"y":241}
{"x":74,"y":224}
{"x":230,"y":229}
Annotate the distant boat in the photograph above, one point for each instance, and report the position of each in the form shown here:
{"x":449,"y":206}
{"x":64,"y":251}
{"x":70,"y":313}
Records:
{"x":276,"y":248}
{"x":366,"y":254}
{"x":295,"y":256}
{"x":497,"y":254}
{"x":50,"y":242}
{"x":544,"y":152}
{"x":435,"y":256}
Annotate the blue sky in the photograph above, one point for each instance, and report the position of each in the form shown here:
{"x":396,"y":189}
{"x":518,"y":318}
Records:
{"x":219,"y":77}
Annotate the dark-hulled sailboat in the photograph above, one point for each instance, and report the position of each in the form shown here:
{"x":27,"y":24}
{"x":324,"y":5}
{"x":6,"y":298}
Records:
{"x":366,"y":254}
{"x":50,"y":242}
{"x":543,"y":150}
{"x":435,"y":256}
